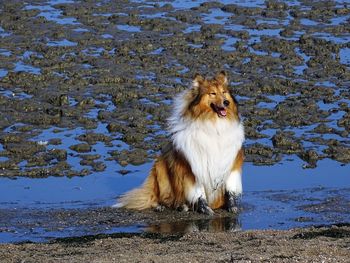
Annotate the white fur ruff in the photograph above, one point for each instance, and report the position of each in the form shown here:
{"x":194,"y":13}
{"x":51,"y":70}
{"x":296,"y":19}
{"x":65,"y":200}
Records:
{"x":210,"y":147}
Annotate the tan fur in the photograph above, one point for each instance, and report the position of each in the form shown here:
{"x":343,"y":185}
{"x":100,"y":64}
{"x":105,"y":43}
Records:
{"x":171,"y":176}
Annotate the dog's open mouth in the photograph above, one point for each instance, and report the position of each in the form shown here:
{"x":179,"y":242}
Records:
{"x":221,"y":111}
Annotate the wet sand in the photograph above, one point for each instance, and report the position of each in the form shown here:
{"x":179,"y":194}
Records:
{"x":324,"y":244}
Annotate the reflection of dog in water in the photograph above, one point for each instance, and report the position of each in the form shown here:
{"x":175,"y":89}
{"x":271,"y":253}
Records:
{"x":201,"y":168}
{"x":217,"y":224}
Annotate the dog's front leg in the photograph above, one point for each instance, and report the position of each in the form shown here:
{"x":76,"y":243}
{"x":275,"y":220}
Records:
{"x":233,"y":186}
{"x":196,"y":197}
{"x":232,"y":202}
{"x":201,"y":206}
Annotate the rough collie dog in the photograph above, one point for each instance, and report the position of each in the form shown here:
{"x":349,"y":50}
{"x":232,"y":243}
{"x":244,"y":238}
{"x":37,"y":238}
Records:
{"x":201,"y":168}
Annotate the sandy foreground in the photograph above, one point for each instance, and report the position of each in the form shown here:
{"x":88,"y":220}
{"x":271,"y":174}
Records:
{"x":82,"y":67}
{"x":317,"y":244}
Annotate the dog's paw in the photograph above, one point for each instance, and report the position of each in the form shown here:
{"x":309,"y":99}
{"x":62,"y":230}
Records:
{"x":233,"y":209}
{"x":232,"y":201}
{"x":183,"y":208}
{"x":159,"y":208}
{"x":206,"y":210}
{"x":203,"y":208}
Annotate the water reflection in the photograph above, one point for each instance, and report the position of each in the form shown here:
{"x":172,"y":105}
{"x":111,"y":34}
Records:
{"x":218,"y":224}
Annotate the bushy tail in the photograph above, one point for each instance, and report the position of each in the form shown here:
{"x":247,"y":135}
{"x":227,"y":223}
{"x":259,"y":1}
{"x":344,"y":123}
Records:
{"x":140,"y":198}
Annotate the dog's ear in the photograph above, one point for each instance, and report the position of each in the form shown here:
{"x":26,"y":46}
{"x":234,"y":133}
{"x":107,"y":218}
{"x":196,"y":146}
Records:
{"x":194,"y":96}
{"x":221,"y":77}
{"x":197,"y":81}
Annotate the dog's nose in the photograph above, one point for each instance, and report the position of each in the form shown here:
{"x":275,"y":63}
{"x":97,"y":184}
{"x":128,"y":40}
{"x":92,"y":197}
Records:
{"x":226,"y":103}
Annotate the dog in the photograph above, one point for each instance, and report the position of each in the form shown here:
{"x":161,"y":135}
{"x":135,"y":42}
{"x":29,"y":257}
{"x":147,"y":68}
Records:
{"x":201,"y":169}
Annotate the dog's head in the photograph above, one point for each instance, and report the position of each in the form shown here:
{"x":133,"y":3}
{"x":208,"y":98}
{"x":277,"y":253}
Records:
{"x":211,"y":98}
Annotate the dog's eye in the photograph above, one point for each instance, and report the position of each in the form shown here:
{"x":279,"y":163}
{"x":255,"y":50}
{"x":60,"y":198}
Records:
{"x":213,"y":93}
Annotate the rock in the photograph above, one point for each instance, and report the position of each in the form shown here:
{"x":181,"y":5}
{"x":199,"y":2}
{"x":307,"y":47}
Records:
{"x":286,"y":142}
{"x":81,"y":147}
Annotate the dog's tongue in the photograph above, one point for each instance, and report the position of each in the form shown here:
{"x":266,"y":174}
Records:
{"x":222,"y":112}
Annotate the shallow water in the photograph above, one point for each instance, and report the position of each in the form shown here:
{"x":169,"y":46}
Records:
{"x":273,"y":198}
{"x":102,"y":188}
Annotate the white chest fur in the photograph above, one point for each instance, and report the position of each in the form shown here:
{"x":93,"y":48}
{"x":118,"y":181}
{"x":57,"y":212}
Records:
{"x":210,"y":148}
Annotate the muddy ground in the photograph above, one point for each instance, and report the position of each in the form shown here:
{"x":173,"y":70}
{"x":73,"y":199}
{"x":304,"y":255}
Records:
{"x":302,"y":245}
{"x":85,"y":84}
